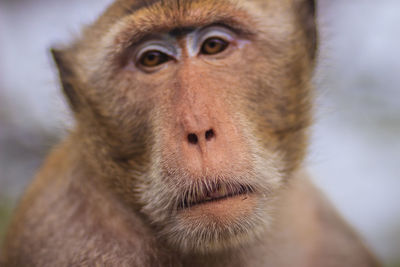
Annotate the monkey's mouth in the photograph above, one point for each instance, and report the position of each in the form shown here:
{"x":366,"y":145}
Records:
{"x":214,"y":193}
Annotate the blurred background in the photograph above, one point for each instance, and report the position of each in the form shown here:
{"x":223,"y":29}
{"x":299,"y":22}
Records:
{"x":355,"y":151}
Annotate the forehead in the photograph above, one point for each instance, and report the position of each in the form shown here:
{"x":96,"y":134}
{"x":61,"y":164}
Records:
{"x":189,"y":13}
{"x":134,"y":19}
{"x":131,"y":6}
{"x":167,"y":11}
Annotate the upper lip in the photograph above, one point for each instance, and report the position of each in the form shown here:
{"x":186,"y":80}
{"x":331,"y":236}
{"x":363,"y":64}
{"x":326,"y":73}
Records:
{"x":213,"y":193}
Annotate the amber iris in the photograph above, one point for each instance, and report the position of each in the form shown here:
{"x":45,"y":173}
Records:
{"x":153,"y":58}
{"x":213,"y":46}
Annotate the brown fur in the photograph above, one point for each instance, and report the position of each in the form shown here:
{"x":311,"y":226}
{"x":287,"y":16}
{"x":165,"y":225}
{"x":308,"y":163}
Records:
{"x":118,"y":190}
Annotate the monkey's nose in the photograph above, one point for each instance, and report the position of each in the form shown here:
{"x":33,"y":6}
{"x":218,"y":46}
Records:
{"x":195,"y":138}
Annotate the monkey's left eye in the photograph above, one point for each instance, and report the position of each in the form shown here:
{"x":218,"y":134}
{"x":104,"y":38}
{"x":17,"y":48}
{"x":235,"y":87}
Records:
{"x":153,"y":58}
{"x":213,"y":45}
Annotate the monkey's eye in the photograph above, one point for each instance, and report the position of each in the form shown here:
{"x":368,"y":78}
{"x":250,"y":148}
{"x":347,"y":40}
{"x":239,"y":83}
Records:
{"x":213,"y":45}
{"x":153,"y":58}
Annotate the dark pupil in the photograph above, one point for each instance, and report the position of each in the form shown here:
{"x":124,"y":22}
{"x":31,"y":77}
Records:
{"x":212,"y":43}
{"x":214,"y":46}
{"x":151,"y":57}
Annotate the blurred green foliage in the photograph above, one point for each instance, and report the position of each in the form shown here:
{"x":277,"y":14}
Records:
{"x":6,"y":207}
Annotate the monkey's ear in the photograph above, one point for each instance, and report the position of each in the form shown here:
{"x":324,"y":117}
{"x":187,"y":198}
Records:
{"x":307,"y":15}
{"x":67,"y":78}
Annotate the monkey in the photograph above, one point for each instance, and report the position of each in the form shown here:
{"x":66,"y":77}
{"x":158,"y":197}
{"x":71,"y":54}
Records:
{"x":191,"y":127}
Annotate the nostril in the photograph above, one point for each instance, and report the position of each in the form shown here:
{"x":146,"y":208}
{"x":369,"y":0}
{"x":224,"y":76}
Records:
{"x":209,"y":134}
{"x":192,"y":138}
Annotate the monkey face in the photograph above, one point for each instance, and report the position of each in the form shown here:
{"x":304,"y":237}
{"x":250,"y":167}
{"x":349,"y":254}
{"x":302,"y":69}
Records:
{"x":196,"y":112}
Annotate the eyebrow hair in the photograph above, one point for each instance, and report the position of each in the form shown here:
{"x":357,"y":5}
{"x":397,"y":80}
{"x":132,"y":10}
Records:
{"x":138,"y":36}
{"x":130,"y":34}
{"x":140,"y":4}
{"x":180,"y":31}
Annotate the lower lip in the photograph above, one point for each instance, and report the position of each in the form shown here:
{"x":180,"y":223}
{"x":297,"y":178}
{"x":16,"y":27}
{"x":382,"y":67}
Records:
{"x":223,"y":208}
{"x":217,"y":199}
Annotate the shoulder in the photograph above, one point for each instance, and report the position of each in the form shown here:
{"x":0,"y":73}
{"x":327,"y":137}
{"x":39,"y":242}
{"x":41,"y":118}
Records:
{"x":332,"y":241}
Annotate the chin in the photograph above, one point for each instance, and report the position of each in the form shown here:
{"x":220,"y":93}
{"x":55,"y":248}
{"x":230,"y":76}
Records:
{"x":217,"y":220}
{"x":213,"y":211}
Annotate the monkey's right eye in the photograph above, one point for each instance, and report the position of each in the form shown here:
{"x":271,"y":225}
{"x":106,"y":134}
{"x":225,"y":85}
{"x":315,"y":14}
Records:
{"x":153,"y":58}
